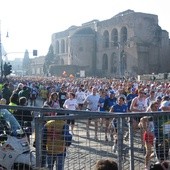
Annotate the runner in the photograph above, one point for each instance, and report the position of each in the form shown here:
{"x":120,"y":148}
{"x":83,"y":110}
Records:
{"x":91,"y":102}
{"x":119,"y":107}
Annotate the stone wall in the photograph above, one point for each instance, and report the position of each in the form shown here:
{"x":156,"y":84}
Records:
{"x":146,"y":49}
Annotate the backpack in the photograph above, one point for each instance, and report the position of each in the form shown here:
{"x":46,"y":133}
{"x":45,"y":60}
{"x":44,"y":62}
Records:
{"x":55,"y":137}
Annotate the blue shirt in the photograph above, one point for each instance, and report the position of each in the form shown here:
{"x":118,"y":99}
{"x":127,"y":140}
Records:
{"x":120,"y":108}
{"x":109,"y":103}
{"x":101,"y":101}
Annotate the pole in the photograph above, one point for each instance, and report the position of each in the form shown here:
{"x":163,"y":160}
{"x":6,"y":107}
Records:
{"x":120,"y":142}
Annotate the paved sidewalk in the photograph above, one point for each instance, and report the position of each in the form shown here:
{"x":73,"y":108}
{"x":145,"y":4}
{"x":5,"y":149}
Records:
{"x":84,"y":152}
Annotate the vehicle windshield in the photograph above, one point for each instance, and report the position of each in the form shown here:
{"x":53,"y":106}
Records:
{"x":9,"y":125}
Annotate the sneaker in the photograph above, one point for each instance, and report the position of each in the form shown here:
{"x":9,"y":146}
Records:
{"x":147,"y":167}
{"x":142,"y":148}
{"x":126,"y":136}
{"x":114,"y":148}
{"x":111,"y":137}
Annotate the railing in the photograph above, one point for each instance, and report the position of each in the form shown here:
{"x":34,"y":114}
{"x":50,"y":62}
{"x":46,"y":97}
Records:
{"x":84,"y":152}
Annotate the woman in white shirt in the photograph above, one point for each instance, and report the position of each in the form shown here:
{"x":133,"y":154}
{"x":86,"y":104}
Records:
{"x":71,"y":104}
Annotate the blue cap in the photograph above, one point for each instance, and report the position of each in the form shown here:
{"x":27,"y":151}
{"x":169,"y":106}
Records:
{"x":133,"y":89}
{"x":112,"y":92}
{"x":158,"y":98}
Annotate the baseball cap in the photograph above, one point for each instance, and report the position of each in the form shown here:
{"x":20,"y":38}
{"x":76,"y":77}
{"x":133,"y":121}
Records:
{"x":158,"y":98}
{"x":133,"y":89}
{"x":112,"y":92}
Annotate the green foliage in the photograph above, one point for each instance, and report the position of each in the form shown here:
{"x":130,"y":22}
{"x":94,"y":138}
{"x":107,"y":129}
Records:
{"x":7,"y":69}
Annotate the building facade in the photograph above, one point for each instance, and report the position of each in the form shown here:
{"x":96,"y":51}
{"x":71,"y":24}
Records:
{"x":17,"y":66}
{"x":36,"y":65}
{"x":130,"y":43}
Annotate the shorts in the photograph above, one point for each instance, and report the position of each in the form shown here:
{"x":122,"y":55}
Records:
{"x":33,"y":96}
{"x":148,"y":137}
{"x":80,"y":105}
{"x":71,"y":121}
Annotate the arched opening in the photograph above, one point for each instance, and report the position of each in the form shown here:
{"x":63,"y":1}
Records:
{"x":123,"y":35}
{"x":114,"y":37}
{"x":123,"y":63}
{"x":106,"y":39}
{"x":105,"y":62}
{"x":113,"y":63}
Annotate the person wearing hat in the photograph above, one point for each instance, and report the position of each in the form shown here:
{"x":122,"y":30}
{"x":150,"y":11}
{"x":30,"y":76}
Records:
{"x":110,"y":101}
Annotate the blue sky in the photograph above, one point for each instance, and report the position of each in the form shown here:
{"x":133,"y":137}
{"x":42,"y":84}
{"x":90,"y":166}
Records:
{"x":31,"y":23}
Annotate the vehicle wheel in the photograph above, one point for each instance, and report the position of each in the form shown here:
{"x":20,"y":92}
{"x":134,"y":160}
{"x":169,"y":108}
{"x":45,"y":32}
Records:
{"x":19,"y":166}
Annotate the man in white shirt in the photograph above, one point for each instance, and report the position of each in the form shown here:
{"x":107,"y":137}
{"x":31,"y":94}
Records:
{"x":92,"y":105}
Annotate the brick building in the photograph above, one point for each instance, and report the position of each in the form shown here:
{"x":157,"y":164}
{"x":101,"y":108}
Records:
{"x":129,"y":43}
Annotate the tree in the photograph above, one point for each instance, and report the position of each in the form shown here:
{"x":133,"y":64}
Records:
{"x":49,"y":59}
{"x":26,"y":63}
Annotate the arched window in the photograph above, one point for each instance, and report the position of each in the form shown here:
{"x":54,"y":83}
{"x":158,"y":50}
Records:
{"x":57,"y":47}
{"x":114,"y":37}
{"x":62,"y":46}
{"x":123,"y":63}
{"x":113,"y":63}
{"x":106,"y":39}
{"x":123,"y":34}
{"x":105,"y":62}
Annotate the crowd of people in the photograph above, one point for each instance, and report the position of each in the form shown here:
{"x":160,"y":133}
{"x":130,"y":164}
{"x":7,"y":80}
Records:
{"x":101,"y":95}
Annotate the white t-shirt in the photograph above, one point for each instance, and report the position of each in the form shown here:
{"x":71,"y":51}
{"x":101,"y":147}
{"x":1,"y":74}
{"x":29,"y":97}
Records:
{"x":92,"y":101}
{"x":80,"y":96}
{"x":70,"y":104}
{"x":164,"y":104}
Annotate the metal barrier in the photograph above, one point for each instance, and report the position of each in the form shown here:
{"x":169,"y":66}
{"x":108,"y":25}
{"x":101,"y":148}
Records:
{"x":85,"y":151}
